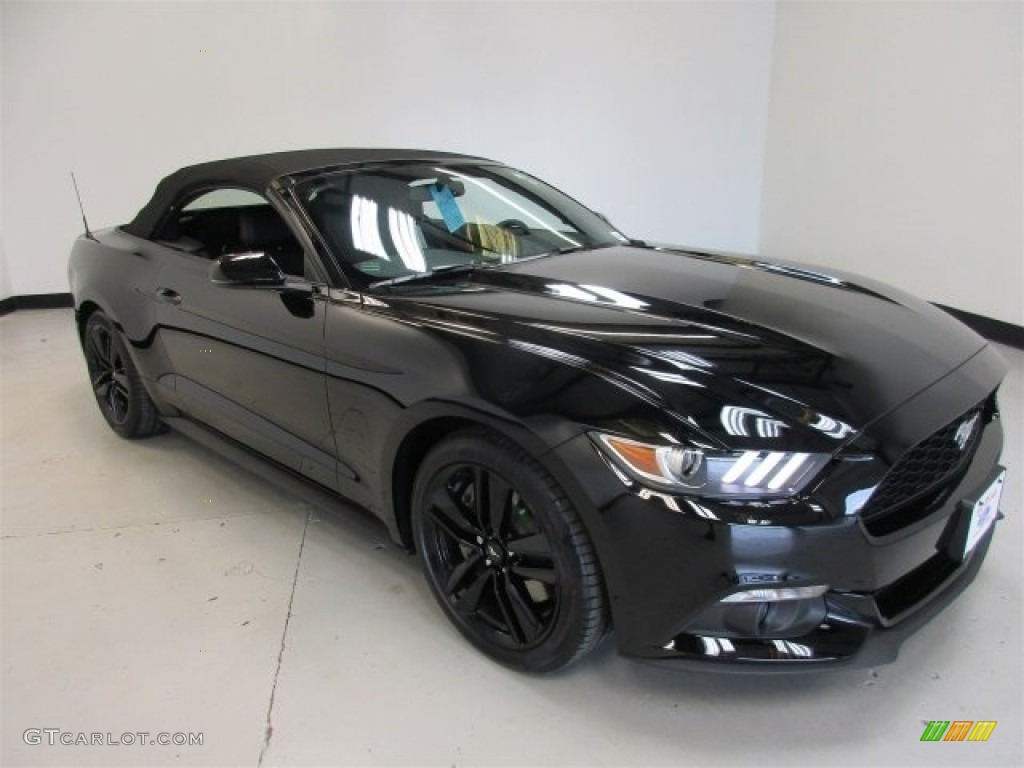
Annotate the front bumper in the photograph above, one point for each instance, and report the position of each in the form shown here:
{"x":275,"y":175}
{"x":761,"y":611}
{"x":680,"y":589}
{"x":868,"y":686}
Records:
{"x":843,"y":640}
{"x":667,"y":569}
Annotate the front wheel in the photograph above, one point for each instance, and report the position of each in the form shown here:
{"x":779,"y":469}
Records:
{"x":116,"y":384}
{"x":506,"y":555}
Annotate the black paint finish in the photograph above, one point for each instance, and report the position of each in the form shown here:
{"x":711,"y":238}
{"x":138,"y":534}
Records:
{"x":349,"y":388}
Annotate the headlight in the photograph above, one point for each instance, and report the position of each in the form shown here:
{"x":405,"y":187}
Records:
{"x":740,"y":474}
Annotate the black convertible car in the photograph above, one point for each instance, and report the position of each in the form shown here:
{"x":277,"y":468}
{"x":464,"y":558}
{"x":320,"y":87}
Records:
{"x":753,"y":464}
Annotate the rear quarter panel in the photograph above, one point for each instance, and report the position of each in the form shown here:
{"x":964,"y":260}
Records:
{"x":117,"y":273}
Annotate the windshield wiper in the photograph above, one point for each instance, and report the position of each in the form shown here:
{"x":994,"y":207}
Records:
{"x":566,"y":249}
{"x":451,"y":269}
{"x":569,"y":249}
{"x":595,"y":246}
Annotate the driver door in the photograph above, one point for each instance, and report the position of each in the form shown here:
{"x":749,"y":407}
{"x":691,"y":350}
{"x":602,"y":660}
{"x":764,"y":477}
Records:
{"x":247,"y":360}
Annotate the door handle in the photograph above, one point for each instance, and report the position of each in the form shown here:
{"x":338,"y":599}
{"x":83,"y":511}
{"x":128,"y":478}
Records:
{"x":168,"y":295}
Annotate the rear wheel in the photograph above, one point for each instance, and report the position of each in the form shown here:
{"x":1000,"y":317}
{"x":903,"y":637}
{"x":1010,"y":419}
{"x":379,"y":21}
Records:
{"x":506,"y":555}
{"x":116,"y":384}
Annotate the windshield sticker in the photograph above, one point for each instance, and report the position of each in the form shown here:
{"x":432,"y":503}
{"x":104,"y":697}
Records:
{"x":446,"y":204}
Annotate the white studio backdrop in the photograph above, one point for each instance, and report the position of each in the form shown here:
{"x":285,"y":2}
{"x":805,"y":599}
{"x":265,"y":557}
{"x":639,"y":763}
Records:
{"x":883,"y":138}
{"x":5,"y":275}
{"x":895,"y":147}
{"x":651,"y":113}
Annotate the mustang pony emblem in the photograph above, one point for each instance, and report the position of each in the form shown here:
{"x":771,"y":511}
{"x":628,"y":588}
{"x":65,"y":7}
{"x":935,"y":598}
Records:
{"x":965,"y":432}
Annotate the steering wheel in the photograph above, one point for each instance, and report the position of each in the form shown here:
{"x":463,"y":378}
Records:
{"x":515,"y":225}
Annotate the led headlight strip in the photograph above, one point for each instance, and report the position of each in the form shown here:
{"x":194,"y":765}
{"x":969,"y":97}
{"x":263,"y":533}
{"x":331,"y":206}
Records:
{"x":713,"y":474}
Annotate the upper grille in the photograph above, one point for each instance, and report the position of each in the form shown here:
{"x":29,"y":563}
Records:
{"x":922,"y":477}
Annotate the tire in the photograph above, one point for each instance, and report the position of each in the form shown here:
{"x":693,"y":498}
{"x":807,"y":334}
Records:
{"x":516,"y":574}
{"x":116,"y":383}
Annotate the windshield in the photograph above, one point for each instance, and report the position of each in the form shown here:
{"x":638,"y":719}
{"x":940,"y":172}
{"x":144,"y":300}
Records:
{"x":403,"y":219}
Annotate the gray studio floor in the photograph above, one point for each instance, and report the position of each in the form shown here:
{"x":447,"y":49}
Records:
{"x":152,"y":586}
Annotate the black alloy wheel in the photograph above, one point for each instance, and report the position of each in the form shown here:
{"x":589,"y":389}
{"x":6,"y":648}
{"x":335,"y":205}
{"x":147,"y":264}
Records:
{"x":116,"y":384}
{"x":506,"y":555}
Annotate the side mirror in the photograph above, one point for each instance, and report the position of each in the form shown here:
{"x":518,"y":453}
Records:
{"x":252,"y":268}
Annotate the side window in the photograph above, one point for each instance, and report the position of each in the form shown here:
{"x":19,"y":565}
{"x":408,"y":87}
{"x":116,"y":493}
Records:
{"x":224,"y":198}
{"x":228,"y":220}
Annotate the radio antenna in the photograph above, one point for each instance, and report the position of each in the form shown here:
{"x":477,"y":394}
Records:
{"x":81,"y":207}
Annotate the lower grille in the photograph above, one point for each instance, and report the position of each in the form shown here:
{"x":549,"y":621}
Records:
{"x":897,"y":599}
{"x":922,"y":478}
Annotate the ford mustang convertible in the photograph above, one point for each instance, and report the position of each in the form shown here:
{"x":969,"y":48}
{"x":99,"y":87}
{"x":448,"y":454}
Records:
{"x":735,"y":463}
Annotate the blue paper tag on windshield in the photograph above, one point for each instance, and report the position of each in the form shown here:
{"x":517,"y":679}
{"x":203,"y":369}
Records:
{"x":446,"y":204}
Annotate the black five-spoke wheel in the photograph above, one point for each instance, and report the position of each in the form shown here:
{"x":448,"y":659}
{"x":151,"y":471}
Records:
{"x":115,"y":382}
{"x":506,"y":555}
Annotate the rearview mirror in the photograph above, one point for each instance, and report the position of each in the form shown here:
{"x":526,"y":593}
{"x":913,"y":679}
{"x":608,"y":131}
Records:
{"x":252,"y":268}
{"x":420,"y":193}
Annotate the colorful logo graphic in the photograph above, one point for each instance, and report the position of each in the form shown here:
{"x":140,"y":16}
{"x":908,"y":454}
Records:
{"x":958,"y":730}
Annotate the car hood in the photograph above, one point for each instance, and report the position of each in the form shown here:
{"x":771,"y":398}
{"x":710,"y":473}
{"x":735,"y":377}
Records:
{"x":745,"y":353}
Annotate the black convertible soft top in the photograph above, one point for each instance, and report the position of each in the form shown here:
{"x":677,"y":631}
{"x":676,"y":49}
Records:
{"x":255,"y":172}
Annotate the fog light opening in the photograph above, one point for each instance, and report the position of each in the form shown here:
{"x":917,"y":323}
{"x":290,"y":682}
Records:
{"x":775,"y":619}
